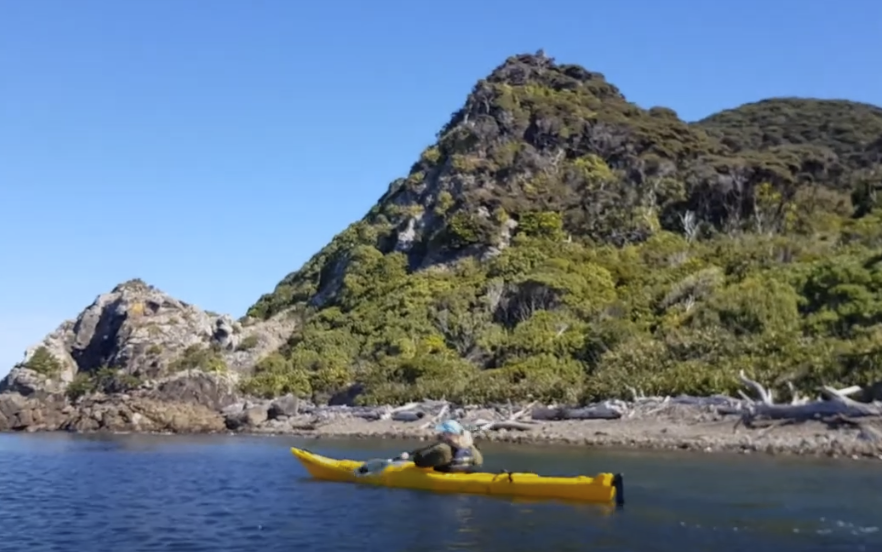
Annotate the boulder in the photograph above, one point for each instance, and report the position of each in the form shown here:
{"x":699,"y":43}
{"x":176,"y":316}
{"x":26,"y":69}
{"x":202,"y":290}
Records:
{"x":284,"y":407}
{"x":214,"y":391}
{"x":248,"y":418}
{"x":21,"y":413}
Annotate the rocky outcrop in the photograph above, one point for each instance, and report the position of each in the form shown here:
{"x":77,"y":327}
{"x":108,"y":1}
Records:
{"x":213,"y":391}
{"x":20,"y":413}
{"x":138,"y":330}
{"x":141,"y":331}
{"x":188,"y":402}
{"x":136,"y":359}
{"x":122,"y":413}
{"x":30,"y":383}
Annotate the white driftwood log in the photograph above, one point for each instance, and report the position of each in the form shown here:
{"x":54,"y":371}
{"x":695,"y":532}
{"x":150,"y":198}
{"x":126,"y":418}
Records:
{"x":513,"y":422}
{"x":837,"y":403}
{"x":384,"y":412}
{"x":393,"y":411}
{"x":410,"y":412}
{"x":505,"y":424}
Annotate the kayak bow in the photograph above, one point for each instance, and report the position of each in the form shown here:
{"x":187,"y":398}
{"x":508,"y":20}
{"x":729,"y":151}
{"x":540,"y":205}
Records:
{"x":602,"y":488}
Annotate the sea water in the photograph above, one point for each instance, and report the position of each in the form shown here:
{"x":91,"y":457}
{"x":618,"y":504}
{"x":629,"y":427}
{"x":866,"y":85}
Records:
{"x":64,"y":492}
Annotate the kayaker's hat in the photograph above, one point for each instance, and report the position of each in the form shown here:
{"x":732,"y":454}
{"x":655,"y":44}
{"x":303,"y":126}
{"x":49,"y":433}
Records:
{"x":450,"y":426}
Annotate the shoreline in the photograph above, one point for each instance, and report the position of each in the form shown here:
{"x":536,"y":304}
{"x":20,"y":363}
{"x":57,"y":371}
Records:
{"x":807,"y":439}
{"x":199,"y":403}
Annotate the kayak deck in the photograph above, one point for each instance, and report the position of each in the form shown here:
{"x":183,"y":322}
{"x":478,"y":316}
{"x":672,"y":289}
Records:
{"x":602,"y":488}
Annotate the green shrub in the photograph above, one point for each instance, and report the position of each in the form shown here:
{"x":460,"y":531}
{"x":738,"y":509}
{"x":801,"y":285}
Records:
{"x":104,"y":380}
{"x":248,"y":342}
{"x":43,"y":362}
{"x":199,"y":357}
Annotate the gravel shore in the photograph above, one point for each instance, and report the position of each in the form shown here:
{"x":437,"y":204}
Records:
{"x":669,"y":432}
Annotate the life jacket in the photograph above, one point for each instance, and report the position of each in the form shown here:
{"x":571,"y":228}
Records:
{"x":463,"y":460}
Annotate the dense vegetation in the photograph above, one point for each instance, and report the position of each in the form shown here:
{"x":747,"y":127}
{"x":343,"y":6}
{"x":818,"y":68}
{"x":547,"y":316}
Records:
{"x":559,"y":242}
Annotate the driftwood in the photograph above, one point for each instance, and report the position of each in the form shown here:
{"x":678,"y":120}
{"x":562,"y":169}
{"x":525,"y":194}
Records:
{"x":607,"y":410}
{"x":832,"y":406}
{"x":392,"y":412}
{"x":411,"y":416}
{"x":833,"y":403}
{"x":385,"y":412}
{"x":512,"y":422}
{"x":413,"y":412}
{"x":437,"y":417}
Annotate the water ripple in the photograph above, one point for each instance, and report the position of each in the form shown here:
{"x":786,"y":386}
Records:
{"x":139,"y":493}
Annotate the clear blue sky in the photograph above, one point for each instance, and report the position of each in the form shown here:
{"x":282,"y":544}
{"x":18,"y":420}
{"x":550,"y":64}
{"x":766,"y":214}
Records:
{"x":211,"y":147}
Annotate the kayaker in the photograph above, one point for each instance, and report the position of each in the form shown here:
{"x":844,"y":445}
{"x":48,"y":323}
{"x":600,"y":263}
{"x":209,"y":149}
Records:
{"x":455,"y":450}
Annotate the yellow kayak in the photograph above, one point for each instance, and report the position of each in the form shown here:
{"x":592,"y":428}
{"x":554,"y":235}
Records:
{"x":602,"y":488}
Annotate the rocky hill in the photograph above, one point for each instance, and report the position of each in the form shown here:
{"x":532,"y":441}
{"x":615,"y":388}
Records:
{"x":167,"y":364}
{"x":556,"y":242}
{"x":561,"y":242}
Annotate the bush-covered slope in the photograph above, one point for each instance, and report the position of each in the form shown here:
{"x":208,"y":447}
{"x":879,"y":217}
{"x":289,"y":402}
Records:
{"x":851,"y":130}
{"x":562,"y":243}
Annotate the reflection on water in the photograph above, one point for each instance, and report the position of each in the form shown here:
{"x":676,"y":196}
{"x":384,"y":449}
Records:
{"x":70,"y":492}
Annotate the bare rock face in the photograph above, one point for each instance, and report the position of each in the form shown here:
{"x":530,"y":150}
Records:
{"x":20,"y":413}
{"x":123,"y":413}
{"x":136,"y":359}
{"x":183,"y":403}
{"x":213,"y":391}
{"x":47,"y":367}
{"x":142,"y":330}
{"x":138,"y":330}
{"x":31,"y":383}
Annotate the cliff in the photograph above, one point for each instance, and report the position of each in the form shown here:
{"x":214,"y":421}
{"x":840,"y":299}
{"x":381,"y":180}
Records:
{"x":557,"y":242}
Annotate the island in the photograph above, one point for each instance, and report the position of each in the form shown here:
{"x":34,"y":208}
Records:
{"x":561,"y":265}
